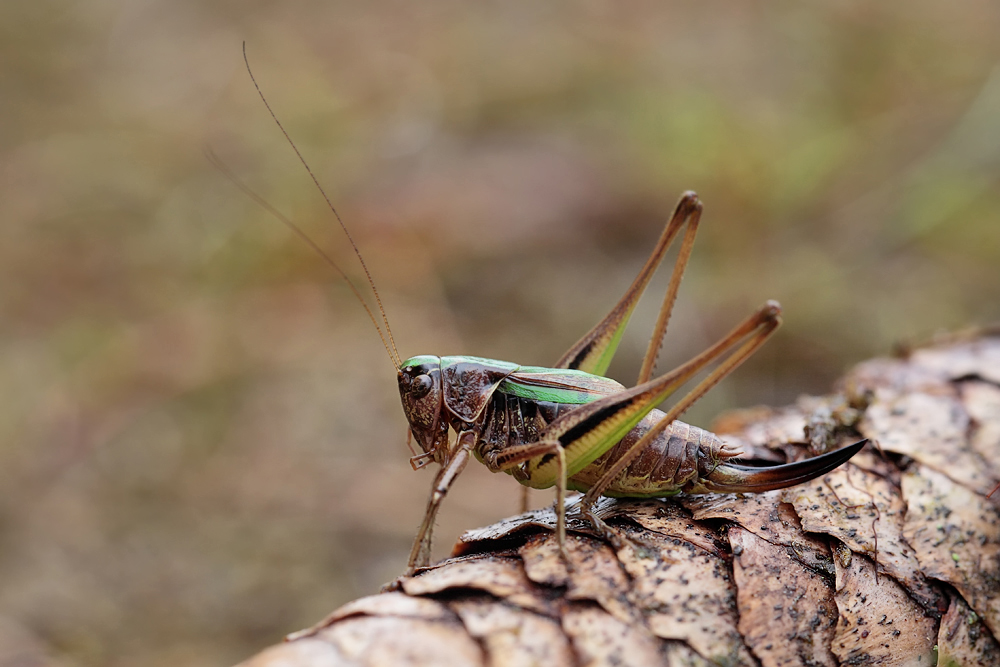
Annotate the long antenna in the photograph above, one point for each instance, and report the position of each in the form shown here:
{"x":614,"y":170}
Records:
{"x":264,"y":204}
{"x":378,"y":300}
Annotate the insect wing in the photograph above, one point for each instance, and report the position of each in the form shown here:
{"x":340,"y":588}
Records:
{"x":566,"y":387}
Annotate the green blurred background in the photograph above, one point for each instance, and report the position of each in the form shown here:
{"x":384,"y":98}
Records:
{"x":202,"y":446}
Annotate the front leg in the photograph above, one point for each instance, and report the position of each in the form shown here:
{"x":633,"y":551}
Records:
{"x":420,"y":554}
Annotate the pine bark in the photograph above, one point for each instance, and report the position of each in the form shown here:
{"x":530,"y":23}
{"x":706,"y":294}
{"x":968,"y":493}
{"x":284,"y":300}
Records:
{"x":892,"y":559}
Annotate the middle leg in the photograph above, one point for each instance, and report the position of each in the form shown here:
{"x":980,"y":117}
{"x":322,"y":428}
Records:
{"x":510,"y":457}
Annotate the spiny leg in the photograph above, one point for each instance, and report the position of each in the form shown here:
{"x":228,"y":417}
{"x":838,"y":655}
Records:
{"x":593,"y":352}
{"x":510,"y":457}
{"x":660,"y":330}
{"x":593,"y":428}
{"x":421,"y":552}
{"x":756,"y":330}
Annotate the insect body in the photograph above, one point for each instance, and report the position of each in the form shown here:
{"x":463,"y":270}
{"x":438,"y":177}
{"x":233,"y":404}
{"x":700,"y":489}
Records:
{"x":568,"y":426}
{"x":572,"y":428}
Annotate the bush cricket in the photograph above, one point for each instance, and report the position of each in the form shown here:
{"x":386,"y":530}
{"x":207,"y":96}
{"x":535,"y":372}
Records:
{"x":568,"y":426}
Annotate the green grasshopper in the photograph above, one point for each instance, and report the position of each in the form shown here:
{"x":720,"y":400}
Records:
{"x":568,"y":426}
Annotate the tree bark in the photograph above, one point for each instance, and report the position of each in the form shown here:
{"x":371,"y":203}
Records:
{"x":892,"y":559}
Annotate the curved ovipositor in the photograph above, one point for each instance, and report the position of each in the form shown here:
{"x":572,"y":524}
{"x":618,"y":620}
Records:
{"x":736,"y":478}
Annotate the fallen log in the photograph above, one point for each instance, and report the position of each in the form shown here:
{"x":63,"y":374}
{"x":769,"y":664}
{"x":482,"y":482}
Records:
{"x":892,"y":559}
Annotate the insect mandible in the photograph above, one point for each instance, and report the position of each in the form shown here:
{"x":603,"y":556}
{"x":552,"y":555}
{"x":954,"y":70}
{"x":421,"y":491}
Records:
{"x":568,"y":426}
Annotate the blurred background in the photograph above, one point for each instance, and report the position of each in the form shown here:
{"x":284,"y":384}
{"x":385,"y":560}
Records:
{"x":201,"y":444}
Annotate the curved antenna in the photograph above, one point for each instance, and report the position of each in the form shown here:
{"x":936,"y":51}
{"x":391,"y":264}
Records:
{"x":378,"y":299}
{"x":264,"y":204}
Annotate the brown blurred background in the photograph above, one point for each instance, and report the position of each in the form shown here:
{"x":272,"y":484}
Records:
{"x":202,"y":446}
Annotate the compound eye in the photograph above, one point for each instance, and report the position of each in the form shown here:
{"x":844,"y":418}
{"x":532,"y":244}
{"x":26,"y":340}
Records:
{"x":421,"y":385}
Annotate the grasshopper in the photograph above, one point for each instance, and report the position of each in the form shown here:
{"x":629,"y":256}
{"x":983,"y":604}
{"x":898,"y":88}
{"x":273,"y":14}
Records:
{"x":568,"y":425}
